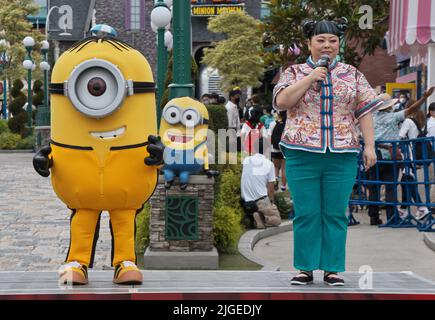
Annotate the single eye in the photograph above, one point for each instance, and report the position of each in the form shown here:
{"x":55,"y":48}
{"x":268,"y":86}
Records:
{"x":97,"y":86}
{"x":171,"y":114}
{"x":190,"y":118}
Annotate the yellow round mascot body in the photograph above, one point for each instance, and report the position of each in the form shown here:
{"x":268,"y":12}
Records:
{"x":183,"y":129}
{"x":104,"y":154}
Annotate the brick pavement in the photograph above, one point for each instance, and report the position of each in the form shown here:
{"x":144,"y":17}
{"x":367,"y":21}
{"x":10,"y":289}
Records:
{"x":34,"y":223}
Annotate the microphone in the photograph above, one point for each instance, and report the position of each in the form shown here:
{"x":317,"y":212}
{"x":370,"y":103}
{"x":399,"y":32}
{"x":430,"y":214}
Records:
{"x":323,"y":63}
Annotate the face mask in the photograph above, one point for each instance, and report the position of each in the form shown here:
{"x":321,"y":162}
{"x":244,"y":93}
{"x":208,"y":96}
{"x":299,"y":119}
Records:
{"x":237,"y":100}
{"x":402,"y":100}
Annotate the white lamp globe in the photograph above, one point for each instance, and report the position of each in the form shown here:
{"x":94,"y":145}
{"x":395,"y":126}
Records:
{"x":170,"y":46}
{"x":45,"y":45}
{"x":168,"y":38}
{"x":161,"y":16}
{"x":44,"y":65}
{"x":27,"y":64}
{"x":29,"y":42}
{"x":33,"y":67}
{"x":154,"y":27}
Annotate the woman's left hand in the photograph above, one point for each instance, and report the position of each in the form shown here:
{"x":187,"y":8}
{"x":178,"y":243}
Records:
{"x":369,"y":157}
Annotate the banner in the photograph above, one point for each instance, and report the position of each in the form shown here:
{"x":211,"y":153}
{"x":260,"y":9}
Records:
{"x":206,"y":8}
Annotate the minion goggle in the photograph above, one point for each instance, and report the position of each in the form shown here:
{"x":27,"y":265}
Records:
{"x":189,"y":117}
{"x":97,"y":88}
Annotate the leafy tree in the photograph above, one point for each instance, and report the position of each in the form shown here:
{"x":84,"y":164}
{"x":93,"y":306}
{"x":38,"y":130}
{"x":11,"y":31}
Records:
{"x":239,"y":57}
{"x":283,"y":27}
{"x":14,"y":27}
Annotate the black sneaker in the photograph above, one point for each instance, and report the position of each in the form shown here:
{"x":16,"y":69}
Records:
{"x":302,"y":279}
{"x":332,"y":279}
{"x":374,"y":221}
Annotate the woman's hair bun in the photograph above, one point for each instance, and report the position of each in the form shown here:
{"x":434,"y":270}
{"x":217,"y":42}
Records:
{"x":342,"y":24}
{"x":308,"y":26}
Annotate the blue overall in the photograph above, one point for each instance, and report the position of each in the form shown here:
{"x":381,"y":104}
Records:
{"x":181,"y":163}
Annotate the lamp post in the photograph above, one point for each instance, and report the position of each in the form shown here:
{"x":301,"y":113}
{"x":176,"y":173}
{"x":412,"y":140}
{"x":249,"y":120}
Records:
{"x":182,"y":80}
{"x":4,"y":59}
{"x":28,"y":64}
{"x":160,"y":18}
{"x":45,"y":67}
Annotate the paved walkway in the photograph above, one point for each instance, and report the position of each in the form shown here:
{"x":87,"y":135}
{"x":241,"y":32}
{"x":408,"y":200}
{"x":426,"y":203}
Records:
{"x":34,"y":223}
{"x":382,"y":249}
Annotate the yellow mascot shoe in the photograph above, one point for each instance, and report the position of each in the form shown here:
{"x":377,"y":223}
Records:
{"x":73,"y":273}
{"x":127,"y":273}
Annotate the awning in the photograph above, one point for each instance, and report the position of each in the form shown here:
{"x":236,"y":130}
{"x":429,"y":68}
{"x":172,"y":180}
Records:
{"x":412,"y":27}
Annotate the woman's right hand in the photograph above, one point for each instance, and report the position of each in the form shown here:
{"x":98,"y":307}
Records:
{"x":318,"y":74}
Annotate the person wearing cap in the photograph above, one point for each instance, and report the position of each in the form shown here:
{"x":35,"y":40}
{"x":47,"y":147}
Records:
{"x":320,"y":143}
{"x":386,"y":123}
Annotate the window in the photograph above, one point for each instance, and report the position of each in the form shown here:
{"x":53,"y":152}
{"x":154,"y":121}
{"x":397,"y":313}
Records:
{"x":134,"y":14}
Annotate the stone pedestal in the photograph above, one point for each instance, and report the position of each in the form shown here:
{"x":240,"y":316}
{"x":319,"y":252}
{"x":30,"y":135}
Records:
{"x":181,"y":226}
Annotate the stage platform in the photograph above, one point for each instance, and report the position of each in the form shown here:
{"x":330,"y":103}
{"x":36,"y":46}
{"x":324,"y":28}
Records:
{"x":211,"y":285}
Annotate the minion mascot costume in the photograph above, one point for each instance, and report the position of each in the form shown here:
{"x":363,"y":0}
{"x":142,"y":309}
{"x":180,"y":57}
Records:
{"x":183,"y":129}
{"x":104,"y":153}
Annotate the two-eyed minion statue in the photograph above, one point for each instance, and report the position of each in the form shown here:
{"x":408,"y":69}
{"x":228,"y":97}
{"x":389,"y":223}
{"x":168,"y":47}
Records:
{"x":104,"y":153}
{"x":183,"y":129}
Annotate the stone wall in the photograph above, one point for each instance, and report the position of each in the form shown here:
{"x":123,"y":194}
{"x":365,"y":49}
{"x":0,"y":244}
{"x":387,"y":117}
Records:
{"x":199,"y":186}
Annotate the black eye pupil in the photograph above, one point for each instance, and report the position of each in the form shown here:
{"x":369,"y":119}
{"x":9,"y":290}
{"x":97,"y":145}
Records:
{"x":173,"y":114}
{"x":97,"y":86}
{"x":189,"y":117}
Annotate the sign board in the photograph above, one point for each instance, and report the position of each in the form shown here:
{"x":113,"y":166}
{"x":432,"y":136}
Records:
{"x":207,"y":8}
{"x":69,"y":20}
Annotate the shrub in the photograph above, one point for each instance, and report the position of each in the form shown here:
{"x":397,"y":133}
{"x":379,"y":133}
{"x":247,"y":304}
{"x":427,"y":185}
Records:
{"x":9,"y":140}
{"x":143,"y":229}
{"x":17,"y":124}
{"x":226,"y":229}
{"x":218,"y":117}
{"x":3,"y":126}
{"x":27,"y":143}
{"x":282,"y":201}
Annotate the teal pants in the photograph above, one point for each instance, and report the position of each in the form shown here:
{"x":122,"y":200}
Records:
{"x":321,"y":185}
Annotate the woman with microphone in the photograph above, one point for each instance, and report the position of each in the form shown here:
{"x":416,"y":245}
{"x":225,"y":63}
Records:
{"x":324,"y":100}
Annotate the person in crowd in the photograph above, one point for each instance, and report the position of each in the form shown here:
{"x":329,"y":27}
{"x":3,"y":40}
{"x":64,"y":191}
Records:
{"x":214,"y":97}
{"x":205,"y":99}
{"x":275,"y":131}
{"x":222,"y":100}
{"x":402,"y":103}
{"x":323,"y":99}
{"x":412,"y":127}
{"x":252,"y":130}
{"x":252,"y":103}
{"x":232,"y":111}
{"x":387,"y":128}
{"x":258,"y":176}
{"x":267,"y":118}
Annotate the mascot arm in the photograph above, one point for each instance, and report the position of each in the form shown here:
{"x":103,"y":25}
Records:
{"x":155,"y":148}
{"x":43,"y":161}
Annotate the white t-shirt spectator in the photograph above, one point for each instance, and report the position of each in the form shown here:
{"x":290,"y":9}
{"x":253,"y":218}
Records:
{"x":431,"y":127}
{"x":233,"y":115}
{"x":408,"y":130}
{"x":257,"y":172}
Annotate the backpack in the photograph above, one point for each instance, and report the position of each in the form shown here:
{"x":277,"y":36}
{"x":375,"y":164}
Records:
{"x":277,"y":134}
{"x":253,"y":135}
{"x":419,"y":145}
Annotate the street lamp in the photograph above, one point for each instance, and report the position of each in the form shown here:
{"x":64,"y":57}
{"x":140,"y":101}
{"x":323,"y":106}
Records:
{"x":28,"y":64}
{"x":4,"y":59}
{"x":182,"y":79}
{"x":160,"y":18}
{"x":45,"y":67}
